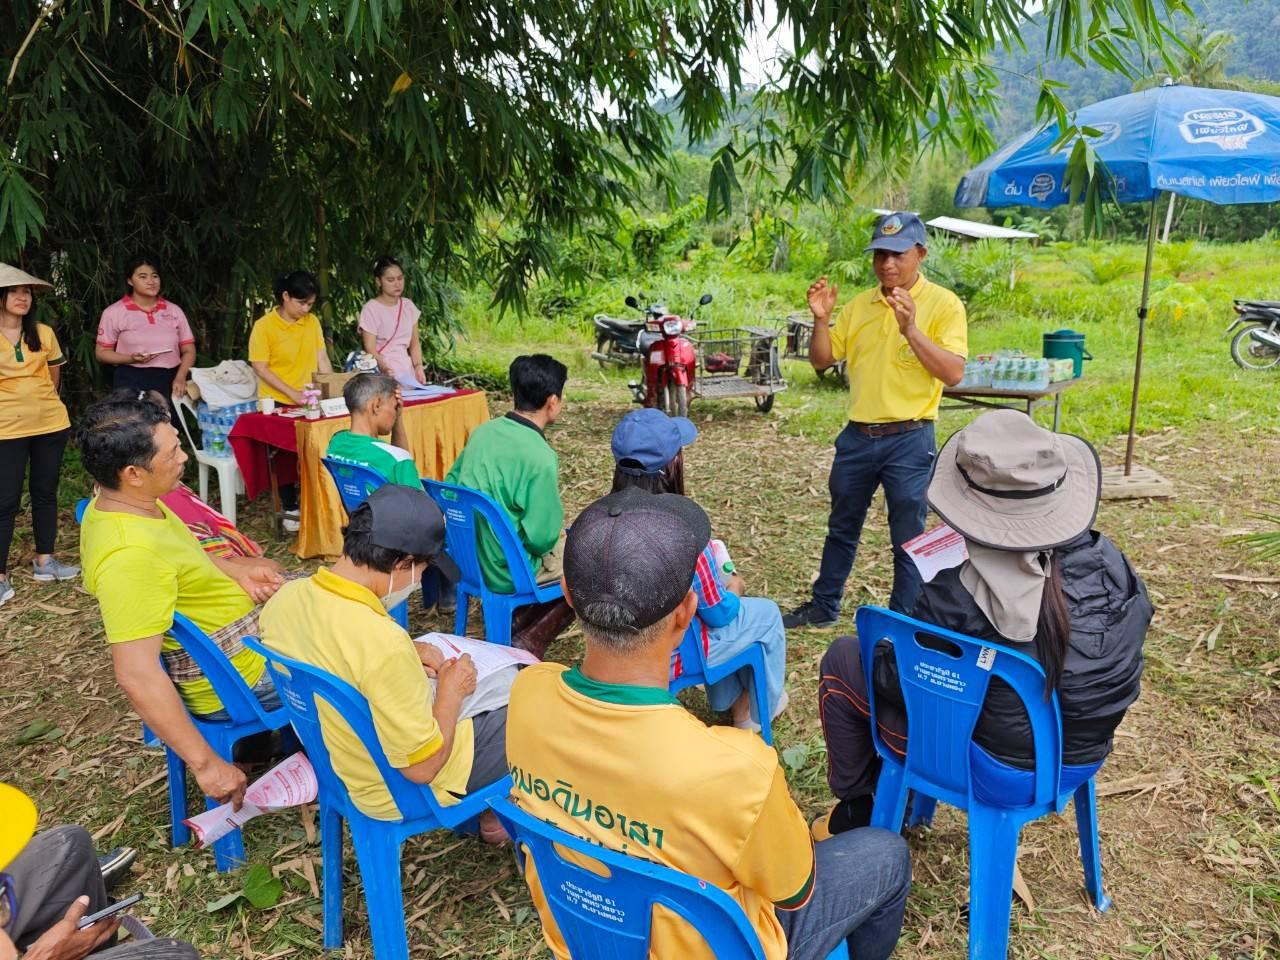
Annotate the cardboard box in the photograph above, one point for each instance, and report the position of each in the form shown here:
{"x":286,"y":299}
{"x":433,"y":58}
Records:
{"x":330,"y":384}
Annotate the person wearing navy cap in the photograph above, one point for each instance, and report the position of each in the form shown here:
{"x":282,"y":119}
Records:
{"x":648,"y":451}
{"x":902,"y":341}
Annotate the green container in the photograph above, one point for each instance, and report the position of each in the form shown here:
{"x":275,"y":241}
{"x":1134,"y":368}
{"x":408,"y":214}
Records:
{"x":1067,"y":345}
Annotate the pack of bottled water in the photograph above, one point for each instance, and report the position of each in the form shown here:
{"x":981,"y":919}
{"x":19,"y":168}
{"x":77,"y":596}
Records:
{"x":216,"y":423}
{"x":1027,"y":374}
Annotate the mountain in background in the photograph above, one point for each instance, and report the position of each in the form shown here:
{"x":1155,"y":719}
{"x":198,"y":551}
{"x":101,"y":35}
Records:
{"x":1253,"y":54}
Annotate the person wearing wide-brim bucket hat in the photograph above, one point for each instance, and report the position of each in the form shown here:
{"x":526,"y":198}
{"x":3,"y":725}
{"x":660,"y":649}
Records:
{"x":1039,"y":579}
{"x":51,"y":879}
{"x":34,"y":425}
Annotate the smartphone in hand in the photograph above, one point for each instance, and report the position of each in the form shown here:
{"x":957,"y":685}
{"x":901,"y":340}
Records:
{"x":117,"y":907}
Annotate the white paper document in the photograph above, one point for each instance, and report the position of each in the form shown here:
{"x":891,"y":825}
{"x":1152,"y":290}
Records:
{"x":496,"y":669}
{"x":290,"y":783}
{"x":419,"y":391}
{"x":935,"y":550}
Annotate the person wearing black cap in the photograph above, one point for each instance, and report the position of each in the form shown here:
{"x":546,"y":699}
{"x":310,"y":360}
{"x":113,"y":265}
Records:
{"x":902,"y":340}
{"x":337,"y":620}
{"x":603,"y":751}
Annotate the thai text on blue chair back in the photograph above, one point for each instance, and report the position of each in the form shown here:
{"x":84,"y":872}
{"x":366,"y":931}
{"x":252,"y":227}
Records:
{"x":354,"y":482}
{"x":944,"y":677}
{"x":469,"y":514}
{"x":609,"y":917}
{"x":302,"y":687}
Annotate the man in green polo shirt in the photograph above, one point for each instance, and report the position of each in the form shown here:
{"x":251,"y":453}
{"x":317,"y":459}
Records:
{"x":509,"y":459}
{"x":373,"y":400}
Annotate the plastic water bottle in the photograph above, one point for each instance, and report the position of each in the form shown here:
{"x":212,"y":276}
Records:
{"x":724,"y":563}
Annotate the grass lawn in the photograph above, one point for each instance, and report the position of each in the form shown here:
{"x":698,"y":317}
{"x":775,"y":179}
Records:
{"x":1190,"y":805}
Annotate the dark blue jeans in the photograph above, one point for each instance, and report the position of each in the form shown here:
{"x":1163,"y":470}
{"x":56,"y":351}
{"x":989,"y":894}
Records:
{"x":859,"y":894}
{"x":902,"y":464}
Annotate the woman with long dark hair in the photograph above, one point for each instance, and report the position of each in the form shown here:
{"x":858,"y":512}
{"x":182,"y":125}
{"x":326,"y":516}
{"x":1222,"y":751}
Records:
{"x":33,"y":425}
{"x":1037,"y":579}
{"x":389,"y":325}
{"x":144,"y":336}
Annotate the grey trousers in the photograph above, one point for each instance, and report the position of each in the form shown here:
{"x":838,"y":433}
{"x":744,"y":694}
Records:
{"x":57,"y":866}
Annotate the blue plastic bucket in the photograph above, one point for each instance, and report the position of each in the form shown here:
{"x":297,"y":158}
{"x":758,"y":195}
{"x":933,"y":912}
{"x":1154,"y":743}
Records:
{"x":1067,"y":345}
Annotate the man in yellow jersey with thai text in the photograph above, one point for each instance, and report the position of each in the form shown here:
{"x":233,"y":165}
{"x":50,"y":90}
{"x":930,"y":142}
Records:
{"x":903,"y":341}
{"x":661,"y":785}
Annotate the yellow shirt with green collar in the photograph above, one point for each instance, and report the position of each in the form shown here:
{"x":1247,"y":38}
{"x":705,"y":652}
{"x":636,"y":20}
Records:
{"x":339,"y":626}
{"x":629,"y":768}
{"x":887,"y":382}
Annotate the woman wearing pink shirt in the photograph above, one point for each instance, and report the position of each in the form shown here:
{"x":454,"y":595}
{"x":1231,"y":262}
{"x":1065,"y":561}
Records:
{"x":389,"y":325}
{"x":145,"y":337}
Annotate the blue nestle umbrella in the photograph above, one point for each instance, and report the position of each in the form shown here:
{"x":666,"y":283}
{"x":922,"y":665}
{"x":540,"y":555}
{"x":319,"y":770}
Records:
{"x":1222,"y":146}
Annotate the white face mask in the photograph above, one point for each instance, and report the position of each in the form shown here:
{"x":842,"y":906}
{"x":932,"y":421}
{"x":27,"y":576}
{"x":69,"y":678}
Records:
{"x":394,"y":598}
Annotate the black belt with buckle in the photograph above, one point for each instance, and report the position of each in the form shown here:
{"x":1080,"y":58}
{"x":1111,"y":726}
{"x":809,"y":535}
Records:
{"x":889,"y":429}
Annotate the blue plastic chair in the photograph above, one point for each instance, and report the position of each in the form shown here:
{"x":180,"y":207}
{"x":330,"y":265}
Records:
{"x":247,"y":718}
{"x":377,"y":842}
{"x":695,"y":671}
{"x":943,"y":690}
{"x":355,"y":482}
{"x":464,"y":511}
{"x":609,"y":917}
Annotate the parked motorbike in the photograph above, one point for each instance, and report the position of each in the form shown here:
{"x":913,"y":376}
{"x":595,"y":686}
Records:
{"x":1256,"y":344}
{"x":670,"y":361}
{"x":625,"y":341}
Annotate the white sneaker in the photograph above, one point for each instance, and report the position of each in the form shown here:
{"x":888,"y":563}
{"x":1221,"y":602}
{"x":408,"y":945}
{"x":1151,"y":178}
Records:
{"x":6,"y":591}
{"x":749,"y":724}
{"x":292,"y":521}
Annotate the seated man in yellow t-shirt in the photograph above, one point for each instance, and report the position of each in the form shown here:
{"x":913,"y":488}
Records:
{"x":143,"y":564}
{"x":605,"y":752}
{"x":337,"y":620}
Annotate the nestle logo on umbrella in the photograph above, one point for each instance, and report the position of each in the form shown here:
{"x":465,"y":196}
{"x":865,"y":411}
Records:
{"x":1042,"y":186}
{"x":1227,"y":127}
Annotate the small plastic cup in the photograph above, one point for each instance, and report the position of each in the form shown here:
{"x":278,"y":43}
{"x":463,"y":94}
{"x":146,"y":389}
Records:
{"x":267,"y":404}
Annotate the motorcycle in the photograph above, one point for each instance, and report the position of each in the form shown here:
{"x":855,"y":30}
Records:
{"x":625,"y":341}
{"x":670,"y":361}
{"x":1256,"y":345}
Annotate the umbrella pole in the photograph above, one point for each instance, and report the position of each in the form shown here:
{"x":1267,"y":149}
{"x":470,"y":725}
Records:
{"x":1142,"y":336}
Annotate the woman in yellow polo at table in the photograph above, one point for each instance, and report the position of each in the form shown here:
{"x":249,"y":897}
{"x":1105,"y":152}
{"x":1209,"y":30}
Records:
{"x":285,"y":348}
{"x":33,"y":425}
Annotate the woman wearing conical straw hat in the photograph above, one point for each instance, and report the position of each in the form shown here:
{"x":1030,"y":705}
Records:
{"x":33,"y":425}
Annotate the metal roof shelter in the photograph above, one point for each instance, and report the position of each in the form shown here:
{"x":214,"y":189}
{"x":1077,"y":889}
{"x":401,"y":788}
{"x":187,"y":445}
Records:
{"x":979,"y":231}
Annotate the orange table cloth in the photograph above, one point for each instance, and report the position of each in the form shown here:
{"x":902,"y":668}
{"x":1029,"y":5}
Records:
{"x":437,"y":432}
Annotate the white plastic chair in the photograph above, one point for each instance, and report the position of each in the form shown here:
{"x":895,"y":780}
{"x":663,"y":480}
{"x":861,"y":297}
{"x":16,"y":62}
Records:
{"x":230,"y":482}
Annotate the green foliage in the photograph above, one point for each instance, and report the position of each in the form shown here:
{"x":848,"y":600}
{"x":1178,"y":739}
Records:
{"x":1265,"y":544}
{"x":974,"y":270}
{"x":244,"y":138}
{"x":1101,"y":267}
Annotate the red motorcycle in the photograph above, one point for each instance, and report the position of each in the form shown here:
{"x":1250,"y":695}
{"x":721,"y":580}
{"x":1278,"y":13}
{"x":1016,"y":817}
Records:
{"x":670,"y":360}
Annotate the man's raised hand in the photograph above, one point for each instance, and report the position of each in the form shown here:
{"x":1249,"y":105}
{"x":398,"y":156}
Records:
{"x":822,"y":299}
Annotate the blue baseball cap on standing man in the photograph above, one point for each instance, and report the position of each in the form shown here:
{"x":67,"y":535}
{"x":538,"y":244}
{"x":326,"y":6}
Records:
{"x":898,"y":232}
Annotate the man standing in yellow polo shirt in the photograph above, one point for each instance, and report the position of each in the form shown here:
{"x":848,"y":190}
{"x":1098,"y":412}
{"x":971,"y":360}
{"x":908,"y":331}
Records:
{"x":902,"y":340}
{"x":605,"y":752}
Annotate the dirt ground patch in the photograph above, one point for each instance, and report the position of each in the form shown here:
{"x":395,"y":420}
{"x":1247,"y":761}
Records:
{"x":1190,"y":822}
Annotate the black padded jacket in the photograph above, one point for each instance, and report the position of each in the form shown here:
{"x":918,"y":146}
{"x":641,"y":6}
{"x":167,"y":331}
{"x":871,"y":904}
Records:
{"x":1110,"y":612}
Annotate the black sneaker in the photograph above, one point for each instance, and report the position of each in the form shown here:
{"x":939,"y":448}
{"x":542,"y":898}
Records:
{"x":808,"y":615}
{"x":114,"y":864}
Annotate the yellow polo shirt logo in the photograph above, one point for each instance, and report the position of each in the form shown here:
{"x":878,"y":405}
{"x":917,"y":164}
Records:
{"x":887,"y":382}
